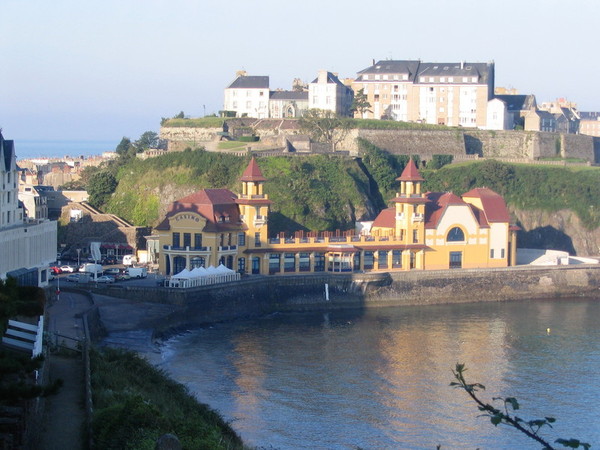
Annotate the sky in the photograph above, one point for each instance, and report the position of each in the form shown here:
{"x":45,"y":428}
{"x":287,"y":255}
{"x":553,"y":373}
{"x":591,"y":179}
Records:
{"x":101,"y":70}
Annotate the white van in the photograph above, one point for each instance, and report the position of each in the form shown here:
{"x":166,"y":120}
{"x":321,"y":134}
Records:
{"x":137,"y":272}
{"x":129,"y":260}
{"x":91,"y":268}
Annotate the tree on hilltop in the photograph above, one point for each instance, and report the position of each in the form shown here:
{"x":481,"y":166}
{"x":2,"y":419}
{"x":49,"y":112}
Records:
{"x":360,"y":104}
{"x":325,"y":126}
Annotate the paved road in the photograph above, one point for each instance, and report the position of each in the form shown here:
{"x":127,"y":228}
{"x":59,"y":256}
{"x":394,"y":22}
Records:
{"x":64,"y":415}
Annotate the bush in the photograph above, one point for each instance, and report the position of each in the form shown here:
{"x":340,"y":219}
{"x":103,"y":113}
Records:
{"x":439,"y":161}
{"x":248,"y":138}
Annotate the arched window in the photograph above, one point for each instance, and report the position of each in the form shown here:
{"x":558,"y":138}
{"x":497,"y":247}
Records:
{"x":197,"y":261}
{"x":455,"y":235}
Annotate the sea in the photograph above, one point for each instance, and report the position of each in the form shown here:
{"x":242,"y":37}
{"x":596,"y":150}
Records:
{"x":380,"y":378}
{"x":31,"y":149}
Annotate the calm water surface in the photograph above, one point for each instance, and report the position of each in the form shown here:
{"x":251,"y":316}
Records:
{"x":380,"y":378}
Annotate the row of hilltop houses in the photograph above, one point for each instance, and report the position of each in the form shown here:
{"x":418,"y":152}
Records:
{"x":459,"y":94}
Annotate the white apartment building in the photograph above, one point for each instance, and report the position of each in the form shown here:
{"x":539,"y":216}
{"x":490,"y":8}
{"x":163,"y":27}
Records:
{"x":453,"y":94}
{"x":248,"y":96}
{"x":27,"y":246}
{"x":328,"y":93}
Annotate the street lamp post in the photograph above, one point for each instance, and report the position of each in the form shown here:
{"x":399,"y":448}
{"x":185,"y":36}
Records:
{"x":78,"y":253}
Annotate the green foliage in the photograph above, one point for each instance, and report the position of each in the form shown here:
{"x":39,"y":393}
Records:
{"x":506,"y":416}
{"x":148,"y":139}
{"x":123,"y":146}
{"x":439,"y":161}
{"x":204,"y":122}
{"x":248,"y":138}
{"x":325,"y":126}
{"x":383,"y":166}
{"x":374,"y":124}
{"x":135,"y":403}
{"x":72,"y":186}
{"x":360,"y":103}
{"x":530,"y":187}
{"x":314,"y":192}
{"x":100,"y":187}
{"x":16,"y":368}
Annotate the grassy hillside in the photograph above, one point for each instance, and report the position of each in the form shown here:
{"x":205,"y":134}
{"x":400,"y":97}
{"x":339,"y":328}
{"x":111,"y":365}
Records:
{"x":527,"y":187}
{"x":308,"y":192}
{"x":321,"y":192}
{"x":135,"y":403}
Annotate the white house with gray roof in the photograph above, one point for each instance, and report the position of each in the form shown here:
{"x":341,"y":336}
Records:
{"x":248,"y":96}
{"x":328,"y":93}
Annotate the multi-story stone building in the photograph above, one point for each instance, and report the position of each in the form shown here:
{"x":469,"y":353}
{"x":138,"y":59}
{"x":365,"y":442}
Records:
{"x":420,"y":231}
{"x":454,"y":94}
{"x":27,"y":246}
{"x":589,"y":123}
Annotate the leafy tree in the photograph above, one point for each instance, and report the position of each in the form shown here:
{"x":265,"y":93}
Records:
{"x":100,"y":186}
{"x":325,"y":126}
{"x":76,"y":185}
{"x":123,"y":146}
{"x":87,"y":173}
{"x":181,"y":115}
{"x":360,"y":104}
{"x":506,"y":416}
{"x":439,"y":161}
{"x":148,"y":139}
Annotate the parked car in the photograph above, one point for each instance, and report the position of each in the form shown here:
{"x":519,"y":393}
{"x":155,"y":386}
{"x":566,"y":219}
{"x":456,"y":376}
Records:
{"x":67,"y":268}
{"x":137,"y":272}
{"x":73,"y":278}
{"x":112,"y":271}
{"x":109,"y":260}
{"x":105,"y":279}
{"x":55,"y":270}
{"x":122,"y":277}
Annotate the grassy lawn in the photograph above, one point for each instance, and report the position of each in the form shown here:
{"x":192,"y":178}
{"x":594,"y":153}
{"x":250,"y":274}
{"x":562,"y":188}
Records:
{"x":204,"y":122}
{"x":231,"y":145}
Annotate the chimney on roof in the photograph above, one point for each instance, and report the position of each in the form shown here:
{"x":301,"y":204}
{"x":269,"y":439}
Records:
{"x":322,"y":76}
{"x":373,"y":62}
{"x":241,"y":73}
{"x":462,"y":65}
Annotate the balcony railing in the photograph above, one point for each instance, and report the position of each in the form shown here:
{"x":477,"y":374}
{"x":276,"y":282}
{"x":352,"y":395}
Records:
{"x":186,"y":249}
{"x":227,"y":248}
{"x":417,"y":217}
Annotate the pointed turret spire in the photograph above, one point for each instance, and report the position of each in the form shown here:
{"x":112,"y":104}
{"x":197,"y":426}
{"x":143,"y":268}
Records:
{"x":410,"y":172}
{"x":252,"y":172}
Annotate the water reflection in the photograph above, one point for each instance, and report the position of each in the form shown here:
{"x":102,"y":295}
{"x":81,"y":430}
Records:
{"x":379,"y":378}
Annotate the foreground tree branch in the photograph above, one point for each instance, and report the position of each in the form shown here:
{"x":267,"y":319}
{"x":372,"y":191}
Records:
{"x":530,"y":428}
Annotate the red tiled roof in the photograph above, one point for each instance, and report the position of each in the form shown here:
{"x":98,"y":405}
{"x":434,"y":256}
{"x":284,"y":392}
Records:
{"x":213,"y":204}
{"x":494,"y":207}
{"x":386,"y":219}
{"x":435,"y":208}
{"x":252,"y":172}
{"x":410,"y":172}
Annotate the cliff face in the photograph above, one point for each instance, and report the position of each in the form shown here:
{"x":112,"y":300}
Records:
{"x":559,"y":230}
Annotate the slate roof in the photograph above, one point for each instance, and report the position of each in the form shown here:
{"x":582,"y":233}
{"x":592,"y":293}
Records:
{"x":289,"y":95}
{"x":7,"y":150}
{"x":391,"y":67}
{"x":518,"y":102}
{"x":414,"y":69}
{"x":217,"y":206}
{"x":331,"y":79}
{"x":589,"y":115}
{"x":250,"y":82}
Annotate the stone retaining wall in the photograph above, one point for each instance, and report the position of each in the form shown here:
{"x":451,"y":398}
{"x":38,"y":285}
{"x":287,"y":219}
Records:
{"x":255,"y":296}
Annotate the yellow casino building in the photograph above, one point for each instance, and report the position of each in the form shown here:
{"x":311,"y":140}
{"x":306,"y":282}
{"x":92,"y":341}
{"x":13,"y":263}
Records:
{"x":420,"y":231}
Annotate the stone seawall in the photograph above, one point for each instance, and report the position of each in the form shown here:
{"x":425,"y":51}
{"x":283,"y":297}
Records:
{"x":255,"y":296}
